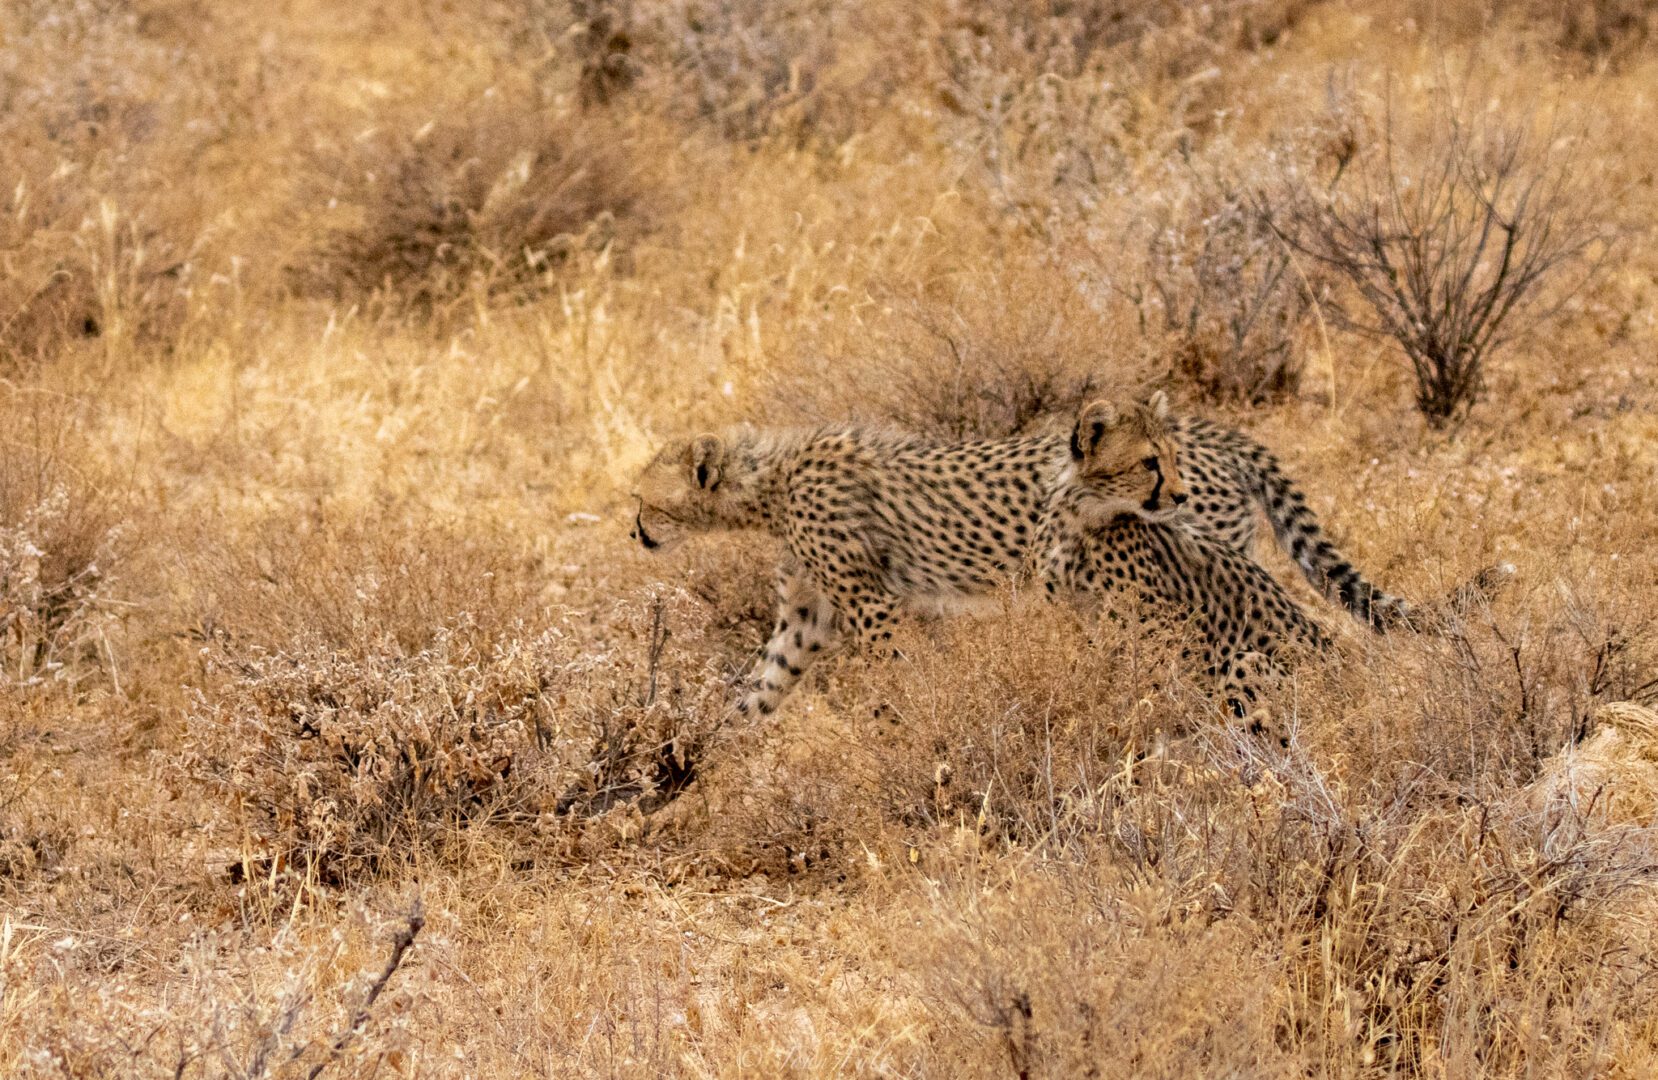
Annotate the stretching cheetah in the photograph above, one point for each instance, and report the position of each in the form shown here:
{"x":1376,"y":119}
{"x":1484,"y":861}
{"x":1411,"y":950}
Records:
{"x":874,"y":519}
{"x":1094,"y":542}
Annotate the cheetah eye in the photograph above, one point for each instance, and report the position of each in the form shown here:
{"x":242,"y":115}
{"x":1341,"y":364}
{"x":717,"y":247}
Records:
{"x":1150,"y":463}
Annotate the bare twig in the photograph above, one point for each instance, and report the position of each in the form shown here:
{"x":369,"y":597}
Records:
{"x":413,"y":923}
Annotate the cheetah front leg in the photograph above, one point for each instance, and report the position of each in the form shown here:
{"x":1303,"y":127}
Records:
{"x":807,"y":626}
{"x":870,"y":615}
{"x":1244,"y":677}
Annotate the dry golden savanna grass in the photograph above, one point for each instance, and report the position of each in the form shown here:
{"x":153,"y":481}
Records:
{"x":332,"y":335}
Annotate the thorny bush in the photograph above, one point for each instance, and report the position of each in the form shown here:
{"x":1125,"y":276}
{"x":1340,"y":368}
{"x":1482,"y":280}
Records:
{"x":338,"y":764}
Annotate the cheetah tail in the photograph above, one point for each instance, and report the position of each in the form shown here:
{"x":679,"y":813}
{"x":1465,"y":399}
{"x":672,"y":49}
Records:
{"x":1298,"y":530}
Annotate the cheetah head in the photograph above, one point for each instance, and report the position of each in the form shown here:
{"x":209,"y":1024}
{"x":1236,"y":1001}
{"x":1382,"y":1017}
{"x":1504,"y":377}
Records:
{"x":688,"y":487}
{"x":1127,"y":462}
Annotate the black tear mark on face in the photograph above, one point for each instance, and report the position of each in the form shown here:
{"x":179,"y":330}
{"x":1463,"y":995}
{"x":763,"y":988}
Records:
{"x":644,"y":537}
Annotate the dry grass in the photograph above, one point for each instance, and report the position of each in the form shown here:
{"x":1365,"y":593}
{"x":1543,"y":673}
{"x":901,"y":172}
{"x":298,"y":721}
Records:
{"x":330,"y":341}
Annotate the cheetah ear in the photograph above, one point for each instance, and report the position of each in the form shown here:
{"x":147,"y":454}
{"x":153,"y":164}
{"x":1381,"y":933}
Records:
{"x":1096,"y":419}
{"x":707,"y":454}
{"x":1158,"y":406}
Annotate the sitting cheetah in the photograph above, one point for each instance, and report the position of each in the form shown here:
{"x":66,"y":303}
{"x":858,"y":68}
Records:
{"x":1094,"y":542}
{"x":873,"y":519}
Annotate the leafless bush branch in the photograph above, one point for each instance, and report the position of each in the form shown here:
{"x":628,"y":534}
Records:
{"x":413,"y":923}
{"x":1448,"y":246}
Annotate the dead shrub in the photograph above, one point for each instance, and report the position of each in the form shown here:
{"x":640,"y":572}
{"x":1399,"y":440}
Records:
{"x":752,"y":68}
{"x":1024,"y":758}
{"x":1223,"y":292}
{"x":603,"y":40}
{"x":334,"y":765}
{"x":487,"y":197}
{"x":1449,"y":236}
{"x":975,"y":354}
{"x":646,"y":708}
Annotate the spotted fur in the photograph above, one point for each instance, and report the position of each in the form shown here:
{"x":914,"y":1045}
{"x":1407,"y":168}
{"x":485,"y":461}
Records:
{"x":1230,"y":475}
{"x":871,"y":521}
{"x":1096,"y":548}
{"x":875,"y":520}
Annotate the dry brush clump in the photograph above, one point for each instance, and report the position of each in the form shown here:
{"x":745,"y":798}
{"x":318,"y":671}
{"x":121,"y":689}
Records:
{"x":1606,"y":34}
{"x":1610,"y":31}
{"x":62,"y":541}
{"x":1223,"y":294}
{"x":1019,"y":752}
{"x":647,"y":708}
{"x":488,"y":196}
{"x":332,"y":766}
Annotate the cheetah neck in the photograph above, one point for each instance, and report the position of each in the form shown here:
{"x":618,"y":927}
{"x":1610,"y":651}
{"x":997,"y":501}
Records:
{"x":765,"y":457}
